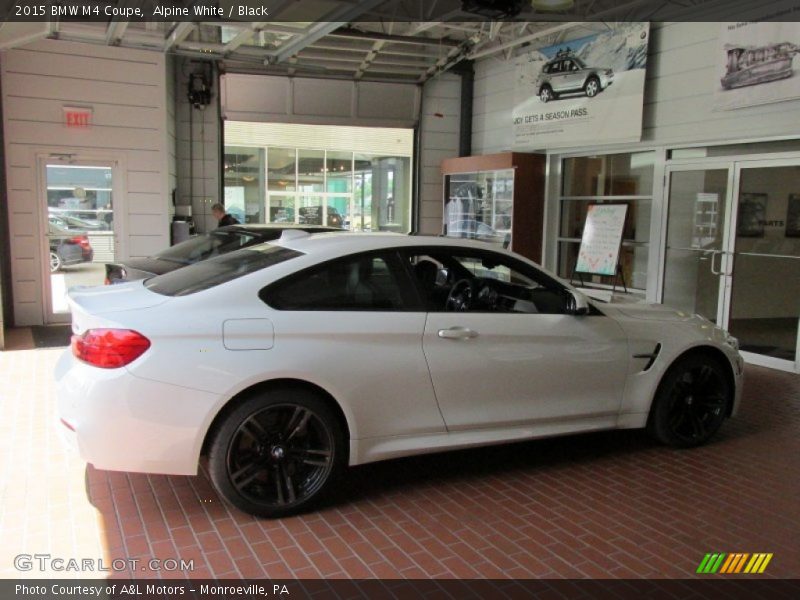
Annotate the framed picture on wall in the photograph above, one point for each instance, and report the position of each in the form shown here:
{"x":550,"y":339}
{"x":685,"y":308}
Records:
{"x":793,"y":216}
{"x":752,"y":215}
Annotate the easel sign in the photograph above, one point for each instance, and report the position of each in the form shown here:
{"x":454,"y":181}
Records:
{"x":602,"y":240}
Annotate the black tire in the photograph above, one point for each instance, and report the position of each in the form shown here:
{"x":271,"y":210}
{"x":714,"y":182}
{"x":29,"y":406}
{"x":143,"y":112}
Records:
{"x":546,"y":94}
{"x":277,"y":453}
{"x":55,"y":262}
{"x":691,"y":402}
{"x":592,"y":87}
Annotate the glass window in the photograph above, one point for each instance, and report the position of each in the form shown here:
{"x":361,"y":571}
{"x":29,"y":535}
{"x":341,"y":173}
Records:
{"x":281,"y":165}
{"x":244,"y":183}
{"x":479,"y":206}
{"x":609,"y":175}
{"x":339,"y":167}
{"x":310,"y":171}
{"x":617,"y":179}
{"x":450,"y":280}
{"x":336,"y":188}
{"x":366,"y":282}
{"x":282,"y":208}
{"x":205,"y":246}
{"x":210,"y":273}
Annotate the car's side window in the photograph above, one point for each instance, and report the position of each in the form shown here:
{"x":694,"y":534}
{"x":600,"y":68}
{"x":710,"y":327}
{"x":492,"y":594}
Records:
{"x":483,"y":281}
{"x":366,"y":282}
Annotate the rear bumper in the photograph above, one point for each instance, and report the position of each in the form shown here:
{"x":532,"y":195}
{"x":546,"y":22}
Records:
{"x":125,"y":423}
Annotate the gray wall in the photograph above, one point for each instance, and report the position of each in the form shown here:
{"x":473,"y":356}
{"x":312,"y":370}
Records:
{"x":275,"y":99}
{"x":198,"y":163}
{"x":439,"y":134}
{"x":127,"y":90}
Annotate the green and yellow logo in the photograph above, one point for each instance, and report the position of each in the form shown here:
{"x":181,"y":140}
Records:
{"x":737,"y":562}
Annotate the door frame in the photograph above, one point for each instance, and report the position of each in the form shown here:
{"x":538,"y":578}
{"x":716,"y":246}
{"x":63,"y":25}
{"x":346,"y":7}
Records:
{"x":41,"y":160}
{"x":752,"y":357}
{"x":724,"y":262}
{"x":734,"y":165}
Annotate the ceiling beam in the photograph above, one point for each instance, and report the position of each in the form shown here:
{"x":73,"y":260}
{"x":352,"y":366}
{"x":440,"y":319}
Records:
{"x":178,"y":34}
{"x":115,"y":31}
{"x":244,"y":36}
{"x":455,"y":55}
{"x":376,"y":47}
{"x":395,"y":39}
{"x":338,"y":18}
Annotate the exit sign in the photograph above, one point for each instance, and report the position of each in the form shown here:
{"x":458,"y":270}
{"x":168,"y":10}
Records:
{"x":77,"y":116}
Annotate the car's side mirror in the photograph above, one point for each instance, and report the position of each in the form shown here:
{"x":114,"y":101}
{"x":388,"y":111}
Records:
{"x":577,"y":304}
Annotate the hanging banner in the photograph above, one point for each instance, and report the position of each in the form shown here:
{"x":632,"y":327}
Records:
{"x":755,"y":63}
{"x":582,"y":92}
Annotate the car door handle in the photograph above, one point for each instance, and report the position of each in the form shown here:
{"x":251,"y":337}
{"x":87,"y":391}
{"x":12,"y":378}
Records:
{"x":457,"y":333}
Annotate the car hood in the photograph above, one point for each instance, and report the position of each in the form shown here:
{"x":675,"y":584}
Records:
{"x":653,"y":312}
{"x":98,"y":300}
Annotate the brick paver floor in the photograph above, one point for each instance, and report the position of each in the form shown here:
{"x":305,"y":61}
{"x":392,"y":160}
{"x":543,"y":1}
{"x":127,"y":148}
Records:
{"x":600,"y":505}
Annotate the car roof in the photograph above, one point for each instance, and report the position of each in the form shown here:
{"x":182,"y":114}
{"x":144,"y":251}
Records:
{"x":262,"y":227}
{"x":340,"y":244}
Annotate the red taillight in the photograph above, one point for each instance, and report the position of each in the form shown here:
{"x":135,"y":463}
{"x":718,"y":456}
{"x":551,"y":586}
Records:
{"x":109,"y":348}
{"x":82,"y":241}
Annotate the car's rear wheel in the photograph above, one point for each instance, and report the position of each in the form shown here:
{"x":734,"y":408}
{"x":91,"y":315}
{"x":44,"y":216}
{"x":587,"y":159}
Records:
{"x":546,"y":94}
{"x":691,"y":402}
{"x":55,"y":262}
{"x":592,"y":87}
{"x":277,"y":453}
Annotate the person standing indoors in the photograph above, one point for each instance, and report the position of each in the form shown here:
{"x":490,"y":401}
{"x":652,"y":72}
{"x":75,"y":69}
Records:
{"x":223,"y":218}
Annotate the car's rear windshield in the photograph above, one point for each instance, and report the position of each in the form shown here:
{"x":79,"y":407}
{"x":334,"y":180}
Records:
{"x":206,"y":246}
{"x":209,"y":273}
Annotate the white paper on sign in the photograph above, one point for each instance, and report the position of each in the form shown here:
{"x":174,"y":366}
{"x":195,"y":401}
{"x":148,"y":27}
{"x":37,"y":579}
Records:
{"x":601,"y":240}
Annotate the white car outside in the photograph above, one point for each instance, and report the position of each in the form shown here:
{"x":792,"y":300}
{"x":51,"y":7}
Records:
{"x":286,"y":361}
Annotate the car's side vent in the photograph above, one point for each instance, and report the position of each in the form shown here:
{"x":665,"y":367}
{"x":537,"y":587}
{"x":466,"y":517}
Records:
{"x":651,"y":358}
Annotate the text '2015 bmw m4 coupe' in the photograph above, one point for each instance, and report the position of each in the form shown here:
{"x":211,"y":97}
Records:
{"x":289,"y":360}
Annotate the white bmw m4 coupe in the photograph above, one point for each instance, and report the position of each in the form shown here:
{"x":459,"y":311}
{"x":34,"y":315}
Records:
{"x":285,"y":362}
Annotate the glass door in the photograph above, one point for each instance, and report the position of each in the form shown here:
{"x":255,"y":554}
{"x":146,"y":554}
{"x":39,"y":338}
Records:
{"x":696,"y":266}
{"x":78,"y":216}
{"x":764,"y":306}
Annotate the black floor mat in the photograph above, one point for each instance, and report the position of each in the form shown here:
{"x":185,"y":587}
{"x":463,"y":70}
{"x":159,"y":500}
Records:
{"x":51,"y":336}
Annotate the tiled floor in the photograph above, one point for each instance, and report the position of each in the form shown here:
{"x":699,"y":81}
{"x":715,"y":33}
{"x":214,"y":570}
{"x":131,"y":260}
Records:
{"x":600,"y":505}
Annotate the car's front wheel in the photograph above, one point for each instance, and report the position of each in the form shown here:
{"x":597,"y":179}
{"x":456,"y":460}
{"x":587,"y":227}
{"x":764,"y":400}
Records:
{"x":55,"y":262}
{"x":546,"y":94}
{"x":592,"y":87}
{"x":277,"y":452}
{"x":691,"y":402}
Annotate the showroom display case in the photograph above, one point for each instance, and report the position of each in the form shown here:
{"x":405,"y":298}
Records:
{"x":496,"y":198}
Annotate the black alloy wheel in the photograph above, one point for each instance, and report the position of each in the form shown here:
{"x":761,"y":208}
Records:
{"x":277,"y":453}
{"x":691,"y":403}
